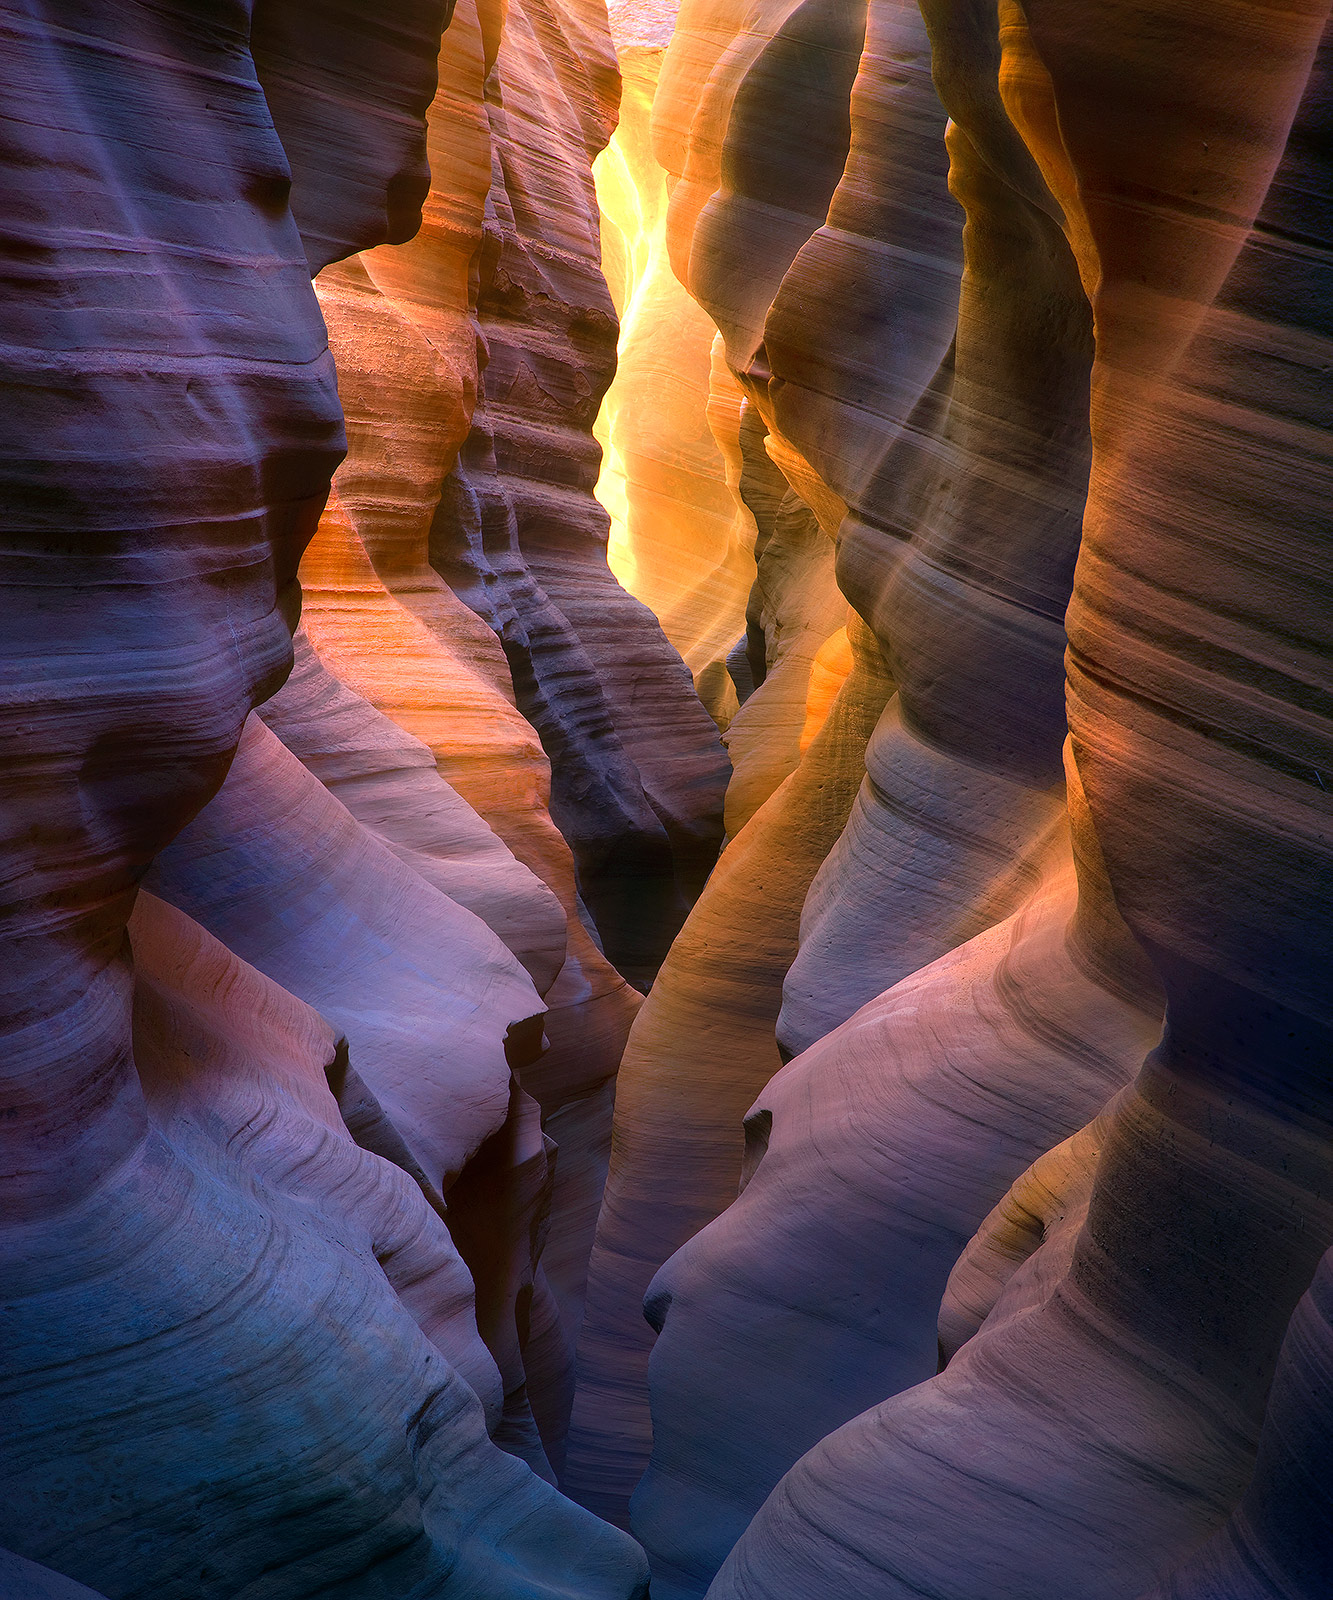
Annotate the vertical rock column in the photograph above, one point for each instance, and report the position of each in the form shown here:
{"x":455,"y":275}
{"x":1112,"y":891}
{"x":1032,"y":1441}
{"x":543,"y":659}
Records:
{"x":1118,"y":1417}
{"x":703,"y":1045}
{"x":959,"y":551}
{"x":677,"y":541}
{"x":870,"y":1159}
{"x":156,"y":509}
{"x":1276,"y":1543}
{"x":877,"y":1152}
{"x":637,"y":769}
{"x":403,"y":325}
{"x":767,"y":142}
{"x":210,"y":1379}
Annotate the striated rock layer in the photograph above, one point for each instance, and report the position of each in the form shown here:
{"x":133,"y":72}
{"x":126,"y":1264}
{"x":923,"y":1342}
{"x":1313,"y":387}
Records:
{"x":961,"y":502}
{"x":434,"y":1008}
{"x":966,"y":1226}
{"x":871,"y":1160}
{"x":958,"y":550}
{"x":680,"y":541}
{"x":637,"y":769}
{"x":241,"y":1412}
{"x":25,"y":1580}
{"x":700,"y":1049}
{"x":703,"y":1045}
{"x":430,"y":669}
{"x":239,"y":1349}
{"x":407,"y":325}
{"x":944,"y":433}
{"x":1117,"y":1405}
{"x":1276,"y":1542}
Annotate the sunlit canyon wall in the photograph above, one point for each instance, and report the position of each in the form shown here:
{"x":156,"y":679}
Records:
{"x":316,"y":952}
{"x":886,"y":443}
{"x":1030,"y":324}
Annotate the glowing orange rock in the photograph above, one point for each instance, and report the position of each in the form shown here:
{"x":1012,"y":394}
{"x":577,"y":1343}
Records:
{"x":679,"y":541}
{"x":1118,"y":1416}
{"x":700,"y":1050}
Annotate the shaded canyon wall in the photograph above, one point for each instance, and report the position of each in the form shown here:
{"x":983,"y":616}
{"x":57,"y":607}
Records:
{"x":1078,"y":324}
{"x":305,"y":1145}
{"x":665,"y":791}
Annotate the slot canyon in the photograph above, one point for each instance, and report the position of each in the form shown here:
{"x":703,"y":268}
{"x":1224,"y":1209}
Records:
{"x":666,"y":800}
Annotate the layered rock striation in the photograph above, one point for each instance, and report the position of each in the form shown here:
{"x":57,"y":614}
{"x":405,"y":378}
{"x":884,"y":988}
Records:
{"x":638,"y":771}
{"x":1119,"y":1383}
{"x":954,"y":480}
{"x":274,"y":1362}
{"x":681,"y":539}
{"x":419,"y":1143}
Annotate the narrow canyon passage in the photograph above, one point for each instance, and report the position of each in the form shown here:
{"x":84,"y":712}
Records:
{"x":666,"y":766}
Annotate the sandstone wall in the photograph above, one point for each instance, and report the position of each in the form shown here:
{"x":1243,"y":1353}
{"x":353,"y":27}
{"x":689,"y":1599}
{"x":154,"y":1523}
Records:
{"x":411,"y":1119}
{"x":943,"y":428}
{"x":681,"y":540}
{"x":247,"y":1339}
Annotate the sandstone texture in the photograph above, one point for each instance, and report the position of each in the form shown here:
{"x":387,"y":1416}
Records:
{"x":243,"y":1344}
{"x":973,"y":365}
{"x":1116,"y":1379}
{"x":701,"y":1048}
{"x":666,"y":762}
{"x":681,"y":540}
{"x":25,"y":1580}
{"x":637,"y":768}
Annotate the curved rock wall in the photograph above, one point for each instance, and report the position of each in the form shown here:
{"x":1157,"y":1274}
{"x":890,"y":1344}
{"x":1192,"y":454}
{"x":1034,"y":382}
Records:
{"x":25,"y":1580}
{"x":794,"y":608}
{"x":523,"y":104}
{"x":193,"y":1343}
{"x":1276,"y":1541}
{"x":964,"y":1225}
{"x":956,"y":548}
{"x":174,"y":443}
{"x":875,"y":1154}
{"x":680,"y":541}
{"x":700,"y":1049}
{"x":1118,"y":1378}
{"x":959,"y":552}
{"x":637,"y":769}
{"x":945,"y":434}
{"x":236,"y":1326}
